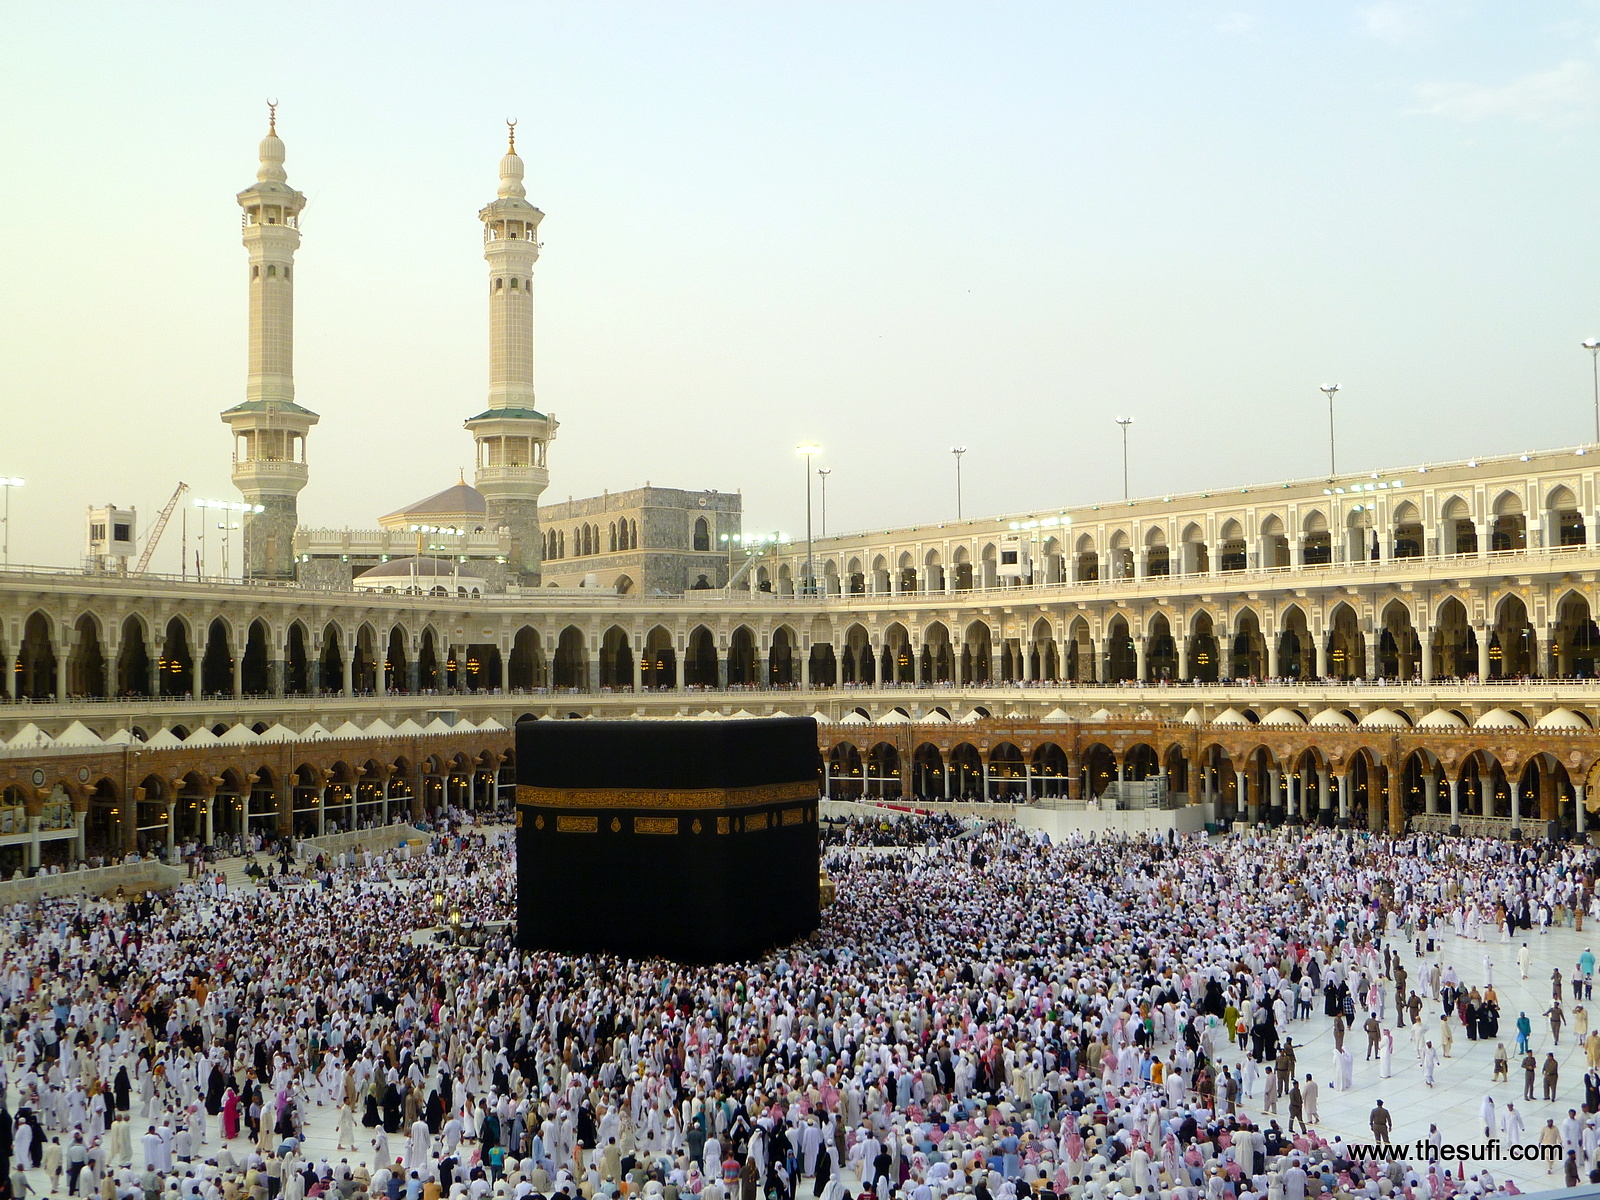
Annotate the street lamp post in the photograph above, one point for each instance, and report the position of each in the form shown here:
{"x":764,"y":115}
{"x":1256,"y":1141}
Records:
{"x":823,"y":473}
{"x":1124,"y":422}
{"x":225,"y":507}
{"x":8,"y":483}
{"x":958,"y":451}
{"x":1593,"y":347}
{"x":809,"y":449}
{"x":1330,"y":390}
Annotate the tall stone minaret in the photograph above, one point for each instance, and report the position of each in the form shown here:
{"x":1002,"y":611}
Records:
{"x":269,"y":428}
{"x":512,"y":434}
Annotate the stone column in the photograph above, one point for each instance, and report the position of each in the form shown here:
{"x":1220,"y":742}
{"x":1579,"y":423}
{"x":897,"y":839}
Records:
{"x":1272,"y":655}
{"x":1430,"y":794}
{"x":1483,"y":652}
{"x":350,"y":672}
{"x":172,"y":831}
{"x":1322,"y":656}
{"x":414,"y":671}
{"x":152,"y":653}
{"x":985,"y":781}
{"x":63,"y":661}
{"x":1185,"y":674}
{"x":210,"y":802}
{"x":1580,"y":815}
{"x":1425,"y":641}
{"x":505,"y":670}
{"x":1141,"y":656}
{"x":1324,"y":796}
{"x":1515,"y":788}
{"x":677,"y":663}
{"x":34,"y":857}
{"x":638,"y":673}
{"x":1274,"y":796}
{"x":322,"y":809}
{"x":238,"y":670}
{"x":1485,"y":537}
{"x":277,"y":672}
{"x":1371,"y":640}
{"x":80,"y":841}
{"x":1245,"y":807}
{"x":1344,"y":796}
{"x":805,"y":669}
{"x":1455,"y":805}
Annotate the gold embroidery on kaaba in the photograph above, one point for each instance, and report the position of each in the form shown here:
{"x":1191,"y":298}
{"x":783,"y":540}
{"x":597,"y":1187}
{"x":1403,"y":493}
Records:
{"x":755,"y":821}
{"x":577,"y":824}
{"x":538,"y":822}
{"x":696,"y":826}
{"x":658,"y":825}
{"x":794,"y":816}
{"x":519,"y":820}
{"x":767,"y":793}
{"x":722,"y":824}
{"x":616,"y":824}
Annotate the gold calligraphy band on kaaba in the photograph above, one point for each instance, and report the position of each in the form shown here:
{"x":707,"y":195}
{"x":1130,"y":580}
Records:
{"x":686,"y":798}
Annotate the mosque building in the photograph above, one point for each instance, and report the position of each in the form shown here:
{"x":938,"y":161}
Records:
{"x":1411,"y":647}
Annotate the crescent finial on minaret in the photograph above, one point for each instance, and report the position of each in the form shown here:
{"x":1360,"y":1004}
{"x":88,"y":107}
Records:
{"x":511,"y":132}
{"x":272,"y":117}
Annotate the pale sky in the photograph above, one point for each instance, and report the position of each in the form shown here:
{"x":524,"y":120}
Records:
{"x":890,"y":228}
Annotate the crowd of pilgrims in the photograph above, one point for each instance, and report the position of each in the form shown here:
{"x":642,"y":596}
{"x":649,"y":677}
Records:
{"x":983,"y":1015}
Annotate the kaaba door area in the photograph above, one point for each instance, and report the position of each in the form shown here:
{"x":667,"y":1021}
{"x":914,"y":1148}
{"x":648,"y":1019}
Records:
{"x":689,"y":840}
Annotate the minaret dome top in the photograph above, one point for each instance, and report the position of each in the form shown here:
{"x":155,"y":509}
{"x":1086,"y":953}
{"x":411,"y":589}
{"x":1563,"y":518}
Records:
{"x":510,"y":168}
{"x":272,"y":151}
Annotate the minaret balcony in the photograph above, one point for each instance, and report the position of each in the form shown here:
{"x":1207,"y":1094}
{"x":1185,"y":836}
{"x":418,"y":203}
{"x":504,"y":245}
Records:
{"x":269,"y":475}
{"x":511,"y":475}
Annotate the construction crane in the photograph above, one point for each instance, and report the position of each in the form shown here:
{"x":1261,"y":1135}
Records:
{"x":161,"y":525}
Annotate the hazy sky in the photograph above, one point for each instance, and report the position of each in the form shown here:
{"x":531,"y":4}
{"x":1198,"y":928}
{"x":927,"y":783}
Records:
{"x":890,"y":228}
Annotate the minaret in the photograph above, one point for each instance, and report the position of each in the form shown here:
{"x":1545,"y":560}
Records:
{"x":512,"y":434}
{"x":269,"y":428}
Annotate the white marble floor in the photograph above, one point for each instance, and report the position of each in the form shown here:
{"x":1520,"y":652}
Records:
{"x":1461,"y":1081}
{"x":1453,"y":1103}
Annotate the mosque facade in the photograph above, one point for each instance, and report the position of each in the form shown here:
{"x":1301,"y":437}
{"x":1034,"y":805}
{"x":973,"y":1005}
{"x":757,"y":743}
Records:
{"x":1412,"y":645}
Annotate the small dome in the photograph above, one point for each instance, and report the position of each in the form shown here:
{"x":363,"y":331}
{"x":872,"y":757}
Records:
{"x":1230,"y":716}
{"x":1056,"y":715}
{"x":1441,"y":718}
{"x":1283,"y":716}
{"x":894,"y":718}
{"x":1499,"y":718}
{"x":1384,"y":718}
{"x":415,"y":575}
{"x":272,"y":153}
{"x":1101,"y":714}
{"x":1561,"y":718}
{"x":821,"y":718}
{"x":1330,"y":718}
{"x":511,"y":177}
{"x":1193,"y":717}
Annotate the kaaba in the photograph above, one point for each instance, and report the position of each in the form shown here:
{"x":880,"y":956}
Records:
{"x":690,"y":840}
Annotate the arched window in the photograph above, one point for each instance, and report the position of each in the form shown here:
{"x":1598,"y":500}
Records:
{"x":702,"y":534}
{"x":255,"y":272}
{"x":272,"y":272}
{"x":613,"y":542}
{"x":514,"y":283}
{"x":498,"y":284}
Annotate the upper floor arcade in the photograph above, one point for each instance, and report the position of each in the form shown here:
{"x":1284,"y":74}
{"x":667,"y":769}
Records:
{"x":1476,"y":516}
